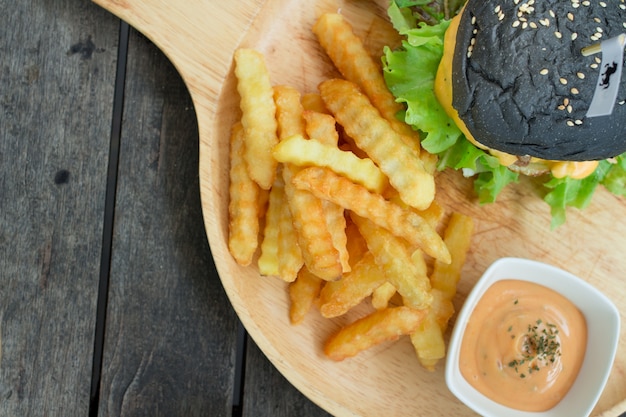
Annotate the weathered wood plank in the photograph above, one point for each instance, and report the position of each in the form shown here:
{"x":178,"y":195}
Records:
{"x":57,"y":63}
{"x":269,"y":394}
{"x":171,"y":333}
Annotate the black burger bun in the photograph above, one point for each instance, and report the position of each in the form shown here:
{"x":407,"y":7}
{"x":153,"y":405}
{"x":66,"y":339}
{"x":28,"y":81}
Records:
{"x":521,"y":84}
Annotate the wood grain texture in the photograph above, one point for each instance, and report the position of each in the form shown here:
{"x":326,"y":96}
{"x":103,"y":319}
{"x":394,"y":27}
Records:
{"x":165,"y":353}
{"x":386,"y":380}
{"x":54,"y":133}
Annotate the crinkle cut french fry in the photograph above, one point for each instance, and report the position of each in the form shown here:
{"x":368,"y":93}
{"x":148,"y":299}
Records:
{"x":428,"y":339}
{"x":315,"y":241}
{"x":383,"y":145}
{"x":403,"y":223}
{"x":243,"y":207}
{"x":323,"y":127}
{"x":382,"y":295}
{"x":394,"y":258}
{"x":302,"y":293}
{"x":305,"y":152}
{"x":258,"y":115}
{"x":351,"y":58}
{"x":337,"y":298}
{"x":378,"y":327}
{"x":290,"y":255}
{"x":268,"y":260}
{"x":314,"y":102}
{"x":457,"y":237}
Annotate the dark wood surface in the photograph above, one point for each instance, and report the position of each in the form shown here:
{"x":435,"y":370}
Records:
{"x":110,"y":304}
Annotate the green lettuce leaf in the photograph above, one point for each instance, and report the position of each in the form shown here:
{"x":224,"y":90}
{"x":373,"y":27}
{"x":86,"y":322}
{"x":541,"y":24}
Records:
{"x":410,"y":75}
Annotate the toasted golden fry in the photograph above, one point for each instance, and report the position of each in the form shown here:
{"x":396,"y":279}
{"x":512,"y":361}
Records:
{"x":336,"y":298}
{"x":457,"y":236}
{"x":258,"y":115}
{"x":290,"y":256}
{"x":394,"y":257}
{"x":314,"y":102}
{"x":349,"y":55}
{"x":403,"y":223}
{"x":323,"y":127}
{"x":428,"y":339}
{"x":243,"y":208}
{"x":304,"y":152}
{"x":380,"y":326}
{"x":382,"y":295}
{"x":315,"y":241}
{"x":302,"y":293}
{"x":269,"y":260}
{"x":356,"y":244}
{"x":383,"y":145}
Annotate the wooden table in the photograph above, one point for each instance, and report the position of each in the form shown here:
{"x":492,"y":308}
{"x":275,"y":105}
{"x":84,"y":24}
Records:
{"x":110,"y":304}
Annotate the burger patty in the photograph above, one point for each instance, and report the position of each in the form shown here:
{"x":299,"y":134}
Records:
{"x":522,"y":86}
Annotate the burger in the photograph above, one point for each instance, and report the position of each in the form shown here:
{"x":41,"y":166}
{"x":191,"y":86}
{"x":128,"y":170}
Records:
{"x":502,"y":88}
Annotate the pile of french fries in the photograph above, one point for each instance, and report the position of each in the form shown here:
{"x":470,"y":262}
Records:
{"x":330,"y":192}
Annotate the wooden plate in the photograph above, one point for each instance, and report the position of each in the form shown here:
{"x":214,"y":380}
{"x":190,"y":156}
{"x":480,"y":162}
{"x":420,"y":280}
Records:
{"x":199,"y":37}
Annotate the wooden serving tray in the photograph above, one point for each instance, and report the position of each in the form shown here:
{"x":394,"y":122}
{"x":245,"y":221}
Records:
{"x":199,"y":37}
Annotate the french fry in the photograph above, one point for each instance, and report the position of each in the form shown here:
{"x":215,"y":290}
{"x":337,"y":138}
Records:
{"x":243,"y":207}
{"x":382,"y":295}
{"x":315,"y":241}
{"x":378,"y":327}
{"x":325,"y":184}
{"x":269,"y":264}
{"x":323,"y":127}
{"x":457,"y":237}
{"x":302,"y":293}
{"x":351,"y":58}
{"x":383,"y":145}
{"x":290,"y":256}
{"x":337,"y":298}
{"x":306,"y":152}
{"x":314,"y":102}
{"x":393,"y":256}
{"x":258,"y":115}
{"x":428,"y":340}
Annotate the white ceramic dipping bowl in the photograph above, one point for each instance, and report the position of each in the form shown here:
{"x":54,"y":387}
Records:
{"x":603,"y":323}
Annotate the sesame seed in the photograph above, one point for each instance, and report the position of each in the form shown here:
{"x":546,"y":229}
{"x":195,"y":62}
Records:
{"x":469,"y":54}
{"x":552,"y":13}
{"x":594,"y":66}
{"x":473,"y":20}
{"x":569,"y":108}
{"x":586,"y":3}
{"x":533,"y":25}
{"x":580,"y":75}
{"x":563,"y":81}
{"x":545,"y":22}
{"x":602,"y":4}
{"x":598,"y":60}
{"x":561,"y":107}
{"x":570,"y":16}
{"x":578,"y":122}
{"x":497,"y":9}
{"x":570,"y":123}
{"x":524,"y":25}
{"x":574,"y":91}
{"x":597,"y":19}
{"x":574,"y":36}
{"x":544,"y":71}
{"x":558,"y":34}
{"x":516,"y":23}
{"x":622,"y":6}
{"x":566,"y":101}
